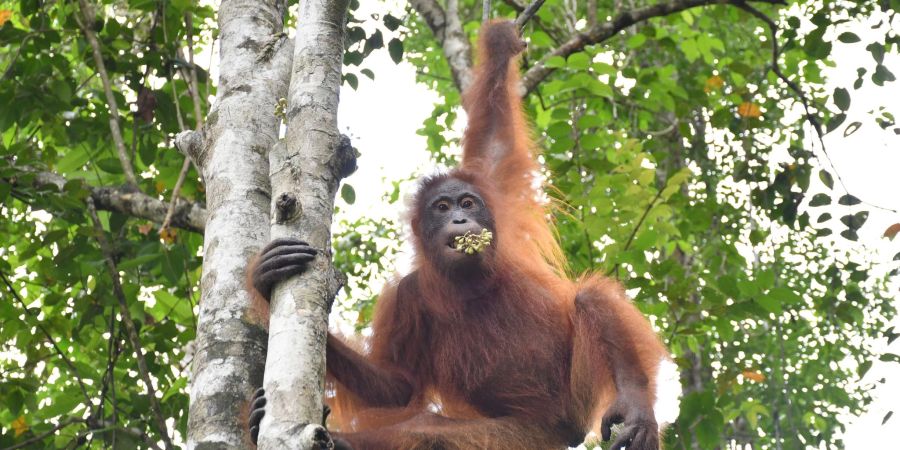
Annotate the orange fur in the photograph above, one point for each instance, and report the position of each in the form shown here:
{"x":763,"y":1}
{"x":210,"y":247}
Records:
{"x":535,"y":358}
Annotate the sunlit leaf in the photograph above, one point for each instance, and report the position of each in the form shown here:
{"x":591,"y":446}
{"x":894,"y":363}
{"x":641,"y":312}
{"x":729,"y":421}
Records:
{"x":713,"y":83}
{"x":19,"y":426}
{"x":753,"y":375}
{"x":749,"y":110}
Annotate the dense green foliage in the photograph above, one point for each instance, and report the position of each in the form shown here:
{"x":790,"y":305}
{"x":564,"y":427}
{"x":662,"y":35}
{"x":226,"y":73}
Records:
{"x":680,"y":162}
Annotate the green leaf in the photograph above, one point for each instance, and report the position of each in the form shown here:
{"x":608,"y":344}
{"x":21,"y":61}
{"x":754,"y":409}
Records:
{"x":395,"y":48}
{"x":176,"y":307}
{"x":138,"y":261}
{"x":877,"y":51}
{"x":848,"y":37}
{"x":769,"y":302}
{"x":391,"y":22}
{"x":835,"y":122}
{"x":786,"y":295}
{"x":374,"y":42}
{"x":348,"y":194}
{"x":826,"y":178}
{"x":882,"y":75}
{"x":538,"y":38}
{"x":73,"y":161}
{"x":368,"y":73}
{"x":110,"y":165}
{"x":578,"y":61}
{"x":848,"y":200}
{"x":855,"y":221}
{"x":351,"y":80}
{"x":690,"y":50}
{"x":709,"y":429}
{"x":62,"y":404}
{"x":636,"y":40}
{"x":842,"y":98}
{"x":555,"y":62}
{"x":820,"y":200}
{"x":852,"y":128}
{"x":864,"y":368}
{"x":850,"y":235}
{"x":823,"y":218}
{"x":728,"y":286}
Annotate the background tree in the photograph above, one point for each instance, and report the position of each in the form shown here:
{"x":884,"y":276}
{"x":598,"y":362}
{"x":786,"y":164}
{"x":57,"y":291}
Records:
{"x":682,"y":140}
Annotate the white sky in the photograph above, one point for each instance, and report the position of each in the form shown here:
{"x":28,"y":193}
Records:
{"x":383,"y":115}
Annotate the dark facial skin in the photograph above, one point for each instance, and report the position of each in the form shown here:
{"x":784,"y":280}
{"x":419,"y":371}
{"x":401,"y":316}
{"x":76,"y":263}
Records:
{"x":450,"y":209}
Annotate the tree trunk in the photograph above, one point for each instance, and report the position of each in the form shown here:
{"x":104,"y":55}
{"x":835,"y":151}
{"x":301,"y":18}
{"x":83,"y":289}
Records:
{"x":305,"y":171}
{"x":241,"y":128}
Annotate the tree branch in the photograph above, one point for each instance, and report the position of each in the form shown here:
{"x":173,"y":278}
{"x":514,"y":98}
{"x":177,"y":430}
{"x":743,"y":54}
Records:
{"x":130,"y":329}
{"x":187,"y":215}
{"x":86,"y":24}
{"x":62,"y":424}
{"x":603,"y":31}
{"x":528,"y":13}
{"x":304,"y":172}
{"x":637,"y":227}
{"x":447,"y":29}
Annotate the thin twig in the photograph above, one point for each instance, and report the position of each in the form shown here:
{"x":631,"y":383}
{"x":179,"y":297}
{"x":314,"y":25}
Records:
{"x":43,"y":435}
{"x":135,"y":432}
{"x":194,"y":89}
{"x":638,"y":227}
{"x":592,"y":13}
{"x":9,"y":68}
{"x":129,"y":324}
{"x":603,"y":31}
{"x":804,"y":100}
{"x":528,"y":13}
{"x":85,"y":22}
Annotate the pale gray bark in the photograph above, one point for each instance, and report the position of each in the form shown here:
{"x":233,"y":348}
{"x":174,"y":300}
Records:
{"x":447,"y":29}
{"x":240,"y":129}
{"x":305,"y":172}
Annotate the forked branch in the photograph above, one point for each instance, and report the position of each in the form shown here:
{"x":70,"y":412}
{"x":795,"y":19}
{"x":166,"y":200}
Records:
{"x":603,"y":31}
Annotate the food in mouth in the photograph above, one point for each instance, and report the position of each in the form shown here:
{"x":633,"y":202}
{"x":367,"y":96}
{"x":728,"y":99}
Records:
{"x":471,"y":243}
